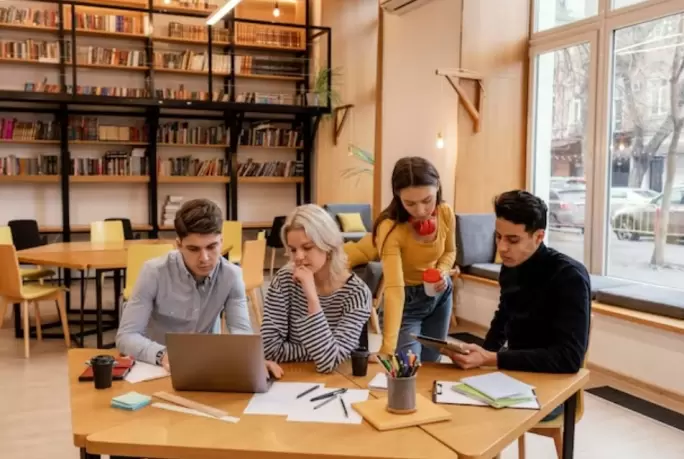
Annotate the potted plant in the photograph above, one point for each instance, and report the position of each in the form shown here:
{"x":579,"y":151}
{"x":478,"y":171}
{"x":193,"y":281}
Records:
{"x":321,"y":88}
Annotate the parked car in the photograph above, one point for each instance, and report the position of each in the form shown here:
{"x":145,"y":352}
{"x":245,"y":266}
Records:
{"x":566,"y":207}
{"x":560,"y":183}
{"x":625,"y":196}
{"x":633,"y":221}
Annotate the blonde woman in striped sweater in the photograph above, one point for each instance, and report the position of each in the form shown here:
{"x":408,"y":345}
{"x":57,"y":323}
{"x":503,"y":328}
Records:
{"x":315,"y":308}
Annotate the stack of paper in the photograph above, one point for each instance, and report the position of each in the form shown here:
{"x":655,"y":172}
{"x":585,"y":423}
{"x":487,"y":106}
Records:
{"x":497,"y":390}
{"x":286,"y":399}
{"x":379,"y":382}
{"x":131,"y":401}
{"x":142,"y":371}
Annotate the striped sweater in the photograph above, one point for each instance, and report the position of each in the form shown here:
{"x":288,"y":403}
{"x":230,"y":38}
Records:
{"x":328,"y":337}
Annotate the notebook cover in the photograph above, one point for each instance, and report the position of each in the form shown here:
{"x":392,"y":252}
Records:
{"x":119,"y":372}
{"x":375,"y":412}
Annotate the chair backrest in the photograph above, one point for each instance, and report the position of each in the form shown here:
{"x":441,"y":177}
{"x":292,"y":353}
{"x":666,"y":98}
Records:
{"x":6,"y":235}
{"x":25,"y":233}
{"x":127,"y":227}
{"x":106,"y":231}
{"x":232,"y":236}
{"x":136,"y":256}
{"x":253,"y":263}
{"x":273,"y":240}
{"x":10,"y":280}
{"x":261,"y":235}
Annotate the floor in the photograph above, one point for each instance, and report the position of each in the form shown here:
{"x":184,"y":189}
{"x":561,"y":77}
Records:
{"x":35,"y":421}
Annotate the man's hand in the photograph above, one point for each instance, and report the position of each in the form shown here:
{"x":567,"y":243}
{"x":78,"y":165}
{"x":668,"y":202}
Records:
{"x":274,"y":369}
{"x":165,"y":362}
{"x":442,"y":284}
{"x":477,"y":357}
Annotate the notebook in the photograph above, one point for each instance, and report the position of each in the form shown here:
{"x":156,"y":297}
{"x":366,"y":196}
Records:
{"x":497,"y":385}
{"x":121,"y":368}
{"x":444,"y":392}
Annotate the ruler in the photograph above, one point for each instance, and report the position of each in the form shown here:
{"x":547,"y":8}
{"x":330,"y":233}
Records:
{"x":178,"y":400}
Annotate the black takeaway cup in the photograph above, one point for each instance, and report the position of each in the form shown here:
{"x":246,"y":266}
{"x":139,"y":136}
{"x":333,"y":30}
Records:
{"x":360,"y":362}
{"x":102,"y":366}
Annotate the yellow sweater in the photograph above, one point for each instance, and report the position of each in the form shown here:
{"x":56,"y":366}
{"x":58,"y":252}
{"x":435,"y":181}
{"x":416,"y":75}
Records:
{"x":403,"y":261}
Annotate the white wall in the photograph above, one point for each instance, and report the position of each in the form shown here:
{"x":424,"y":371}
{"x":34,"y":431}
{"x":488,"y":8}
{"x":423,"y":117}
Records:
{"x":644,"y":353}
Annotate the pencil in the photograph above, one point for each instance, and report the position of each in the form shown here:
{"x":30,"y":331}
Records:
{"x":330,"y":399}
{"x":308,"y":391}
{"x":344,"y":407}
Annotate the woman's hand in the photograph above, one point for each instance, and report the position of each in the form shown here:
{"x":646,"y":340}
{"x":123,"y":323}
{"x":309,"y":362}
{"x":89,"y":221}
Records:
{"x":274,"y":369}
{"x":305,"y":277}
{"x":442,"y":284}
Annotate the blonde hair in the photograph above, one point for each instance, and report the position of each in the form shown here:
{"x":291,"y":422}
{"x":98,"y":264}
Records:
{"x":323,"y":231}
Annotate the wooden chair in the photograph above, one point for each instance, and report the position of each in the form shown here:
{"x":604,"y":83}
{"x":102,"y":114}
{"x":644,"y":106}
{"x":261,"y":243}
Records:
{"x":232,"y":237}
{"x":107,"y":231}
{"x":37,"y":273}
{"x":136,"y":256}
{"x":554,"y":428}
{"x":12,"y":290}
{"x":253,"y":273}
{"x":273,"y":239}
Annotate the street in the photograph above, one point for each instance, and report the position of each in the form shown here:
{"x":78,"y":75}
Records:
{"x":627,"y":259}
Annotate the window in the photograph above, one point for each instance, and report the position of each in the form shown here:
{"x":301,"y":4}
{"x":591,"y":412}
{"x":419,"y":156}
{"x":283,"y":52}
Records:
{"x":560,"y":132}
{"x":622,"y":3}
{"x":554,"y":13}
{"x":618,"y":111}
{"x":640,"y":246}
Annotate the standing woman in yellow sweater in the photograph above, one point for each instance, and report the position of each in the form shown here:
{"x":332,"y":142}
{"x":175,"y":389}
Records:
{"x":415,"y":234}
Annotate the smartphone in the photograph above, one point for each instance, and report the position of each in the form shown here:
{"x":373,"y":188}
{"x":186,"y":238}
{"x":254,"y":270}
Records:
{"x":450,"y":343}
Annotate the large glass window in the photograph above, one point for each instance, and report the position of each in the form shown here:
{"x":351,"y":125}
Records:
{"x":622,"y":3}
{"x":646,"y":161}
{"x":560,"y":143}
{"x":554,"y":13}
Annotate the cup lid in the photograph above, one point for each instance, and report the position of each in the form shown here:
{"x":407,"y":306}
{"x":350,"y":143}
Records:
{"x":102,"y":360}
{"x":432,"y":275}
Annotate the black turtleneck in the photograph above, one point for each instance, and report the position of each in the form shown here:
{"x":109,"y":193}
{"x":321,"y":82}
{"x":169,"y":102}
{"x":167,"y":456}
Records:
{"x":543,"y":316}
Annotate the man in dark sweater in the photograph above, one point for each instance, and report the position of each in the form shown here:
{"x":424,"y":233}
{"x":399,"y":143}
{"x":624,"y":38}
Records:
{"x":542,"y":323}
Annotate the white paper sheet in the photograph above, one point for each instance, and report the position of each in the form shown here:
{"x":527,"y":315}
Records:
{"x":142,"y":371}
{"x":379,"y":382}
{"x":281,"y":398}
{"x":182,"y":409}
{"x":331,"y":412}
{"x":497,"y":385}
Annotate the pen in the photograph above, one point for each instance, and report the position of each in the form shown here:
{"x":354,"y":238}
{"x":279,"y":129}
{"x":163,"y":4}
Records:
{"x":330,"y":399}
{"x":308,"y":391}
{"x":328,"y":395}
{"x":344,"y":407}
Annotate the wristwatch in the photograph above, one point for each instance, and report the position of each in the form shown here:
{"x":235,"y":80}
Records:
{"x":159,"y":357}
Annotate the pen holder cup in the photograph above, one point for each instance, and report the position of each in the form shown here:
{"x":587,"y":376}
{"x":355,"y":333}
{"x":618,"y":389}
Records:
{"x":401,"y":395}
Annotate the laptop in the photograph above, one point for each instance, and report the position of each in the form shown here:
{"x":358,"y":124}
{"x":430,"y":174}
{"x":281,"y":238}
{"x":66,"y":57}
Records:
{"x":217,"y":363}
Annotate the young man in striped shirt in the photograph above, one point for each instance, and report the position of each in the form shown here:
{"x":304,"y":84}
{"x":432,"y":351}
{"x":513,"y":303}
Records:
{"x":315,"y":308}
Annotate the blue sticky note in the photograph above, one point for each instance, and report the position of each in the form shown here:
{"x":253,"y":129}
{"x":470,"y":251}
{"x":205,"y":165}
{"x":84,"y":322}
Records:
{"x":131,"y":401}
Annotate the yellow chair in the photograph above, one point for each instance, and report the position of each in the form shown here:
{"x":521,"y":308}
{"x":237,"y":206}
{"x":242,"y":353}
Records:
{"x":12,"y":291}
{"x":136,"y":256}
{"x":232,"y":237}
{"x":26,"y":273}
{"x":253,"y":273}
{"x":106,"y":231}
{"x":261,"y":235}
{"x":554,"y":427}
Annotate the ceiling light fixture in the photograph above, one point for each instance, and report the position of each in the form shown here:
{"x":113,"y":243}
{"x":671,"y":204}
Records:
{"x":276,"y":10}
{"x":221,"y":12}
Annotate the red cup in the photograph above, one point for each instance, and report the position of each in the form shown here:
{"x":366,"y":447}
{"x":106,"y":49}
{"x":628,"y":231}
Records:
{"x":431,"y":277}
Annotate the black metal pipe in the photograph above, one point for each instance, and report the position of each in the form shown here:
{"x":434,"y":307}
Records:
{"x":230,"y":23}
{"x":210,"y":50}
{"x":290,"y":25}
{"x":149,"y":53}
{"x":152,"y":190}
{"x":62,"y":49}
{"x":65,"y":169}
{"x":74,"y":82}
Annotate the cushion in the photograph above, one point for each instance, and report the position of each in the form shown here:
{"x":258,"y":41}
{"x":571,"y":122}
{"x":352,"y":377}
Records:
{"x":663,"y":301}
{"x":475,"y":240}
{"x":363,"y":209}
{"x":603,"y":282}
{"x":485,"y":270}
{"x":351,"y":222}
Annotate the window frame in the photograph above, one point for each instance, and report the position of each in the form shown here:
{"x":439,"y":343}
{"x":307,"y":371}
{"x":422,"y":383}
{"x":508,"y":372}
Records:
{"x":600,"y":29}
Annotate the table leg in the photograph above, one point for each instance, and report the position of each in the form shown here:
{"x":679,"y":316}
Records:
{"x":87,"y":455}
{"x":83,"y":294}
{"x":569,"y":409}
{"x":98,"y":305}
{"x":117,"y":294}
{"x":67,"y":284}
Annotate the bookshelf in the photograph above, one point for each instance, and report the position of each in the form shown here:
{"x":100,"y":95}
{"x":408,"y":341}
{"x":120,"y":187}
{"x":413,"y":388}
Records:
{"x":144,"y":64}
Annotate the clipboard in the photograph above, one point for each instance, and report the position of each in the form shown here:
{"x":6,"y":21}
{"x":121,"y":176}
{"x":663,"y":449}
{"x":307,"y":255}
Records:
{"x":444,"y":394}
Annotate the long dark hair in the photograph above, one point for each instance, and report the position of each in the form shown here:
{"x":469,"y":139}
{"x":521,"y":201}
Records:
{"x":408,"y":172}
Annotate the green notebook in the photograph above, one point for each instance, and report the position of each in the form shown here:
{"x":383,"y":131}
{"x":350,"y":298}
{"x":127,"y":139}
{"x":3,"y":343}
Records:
{"x":516,"y":401}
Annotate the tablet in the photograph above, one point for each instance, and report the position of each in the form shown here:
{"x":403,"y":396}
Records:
{"x":450,"y":343}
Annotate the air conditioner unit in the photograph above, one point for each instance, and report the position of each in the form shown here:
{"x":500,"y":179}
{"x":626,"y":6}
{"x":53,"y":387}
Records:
{"x":401,"y":6}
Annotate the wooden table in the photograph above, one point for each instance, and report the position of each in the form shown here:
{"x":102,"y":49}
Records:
{"x":481,"y":433}
{"x":109,"y":256}
{"x":473,"y":432}
{"x":155,"y":433}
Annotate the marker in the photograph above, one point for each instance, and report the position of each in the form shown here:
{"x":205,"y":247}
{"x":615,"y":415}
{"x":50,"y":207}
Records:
{"x":344,"y":407}
{"x":328,"y":395}
{"x":330,"y":399}
{"x":308,"y":391}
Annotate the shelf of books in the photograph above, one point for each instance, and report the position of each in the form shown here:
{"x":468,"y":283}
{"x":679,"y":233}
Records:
{"x":122,"y":69}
